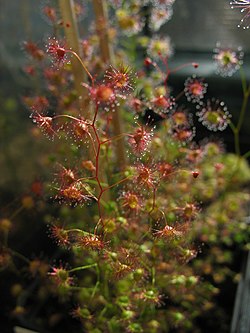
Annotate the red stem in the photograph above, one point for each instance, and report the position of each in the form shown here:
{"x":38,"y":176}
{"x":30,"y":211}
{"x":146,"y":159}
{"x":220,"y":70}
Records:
{"x":97,"y":155}
{"x":81,"y":62}
{"x":115,"y":137}
{"x":176,"y":69}
{"x":119,"y":182}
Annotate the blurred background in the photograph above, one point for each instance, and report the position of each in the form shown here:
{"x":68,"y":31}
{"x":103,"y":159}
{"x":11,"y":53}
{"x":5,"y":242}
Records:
{"x":195,"y":28}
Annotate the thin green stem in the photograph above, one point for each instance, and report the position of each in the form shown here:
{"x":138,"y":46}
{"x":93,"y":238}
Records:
{"x":153,"y":276}
{"x":236,"y":129}
{"x":243,"y":108}
{"x":97,"y":281}
{"x":236,"y":141}
{"x":82,"y":268}
{"x":243,"y":80}
{"x":80,"y":231}
{"x":77,"y":288}
{"x":20,"y":256}
{"x":231,"y":124}
{"x":16,"y":212}
{"x":247,"y":154}
{"x":95,"y":289}
{"x":86,"y":179}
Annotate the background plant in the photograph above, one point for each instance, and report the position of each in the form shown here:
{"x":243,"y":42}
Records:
{"x":143,"y":223}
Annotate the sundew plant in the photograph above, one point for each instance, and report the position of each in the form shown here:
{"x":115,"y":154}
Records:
{"x":139,"y":198}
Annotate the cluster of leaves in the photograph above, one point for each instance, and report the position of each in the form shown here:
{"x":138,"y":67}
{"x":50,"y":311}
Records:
{"x":136,"y":234}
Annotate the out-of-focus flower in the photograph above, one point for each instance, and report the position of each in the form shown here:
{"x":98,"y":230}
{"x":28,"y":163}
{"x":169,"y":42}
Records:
{"x":160,"y":47}
{"x":159,"y":2}
{"x":38,"y":267}
{"x":195,"y":88}
{"x":228,"y":61}
{"x":124,"y":261}
{"x":168,"y":232}
{"x":165,"y":169}
{"x":36,"y":103}
{"x":151,"y":296}
{"x":61,"y":277}
{"x":145,"y":175}
{"x":33,"y":50}
{"x":115,"y":3}
{"x":140,"y":140}
{"x":164,"y":2}
{"x":130,"y":201}
{"x":162,"y":105}
{"x":181,"y":117}
{"x":60,"y":235}
{"x":183,"y":134}
{"x":93,"y":242}
{"x":74,"y":194}
{"x":160,"y":16}
{"x":136,"y":104}
{"x":129,"y":23}
{"x":81,"y":313}
{"x":214,"y":115}
{"x":87,"y":49}
{"x":5,"y":225}
{"x":50,"y":14}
